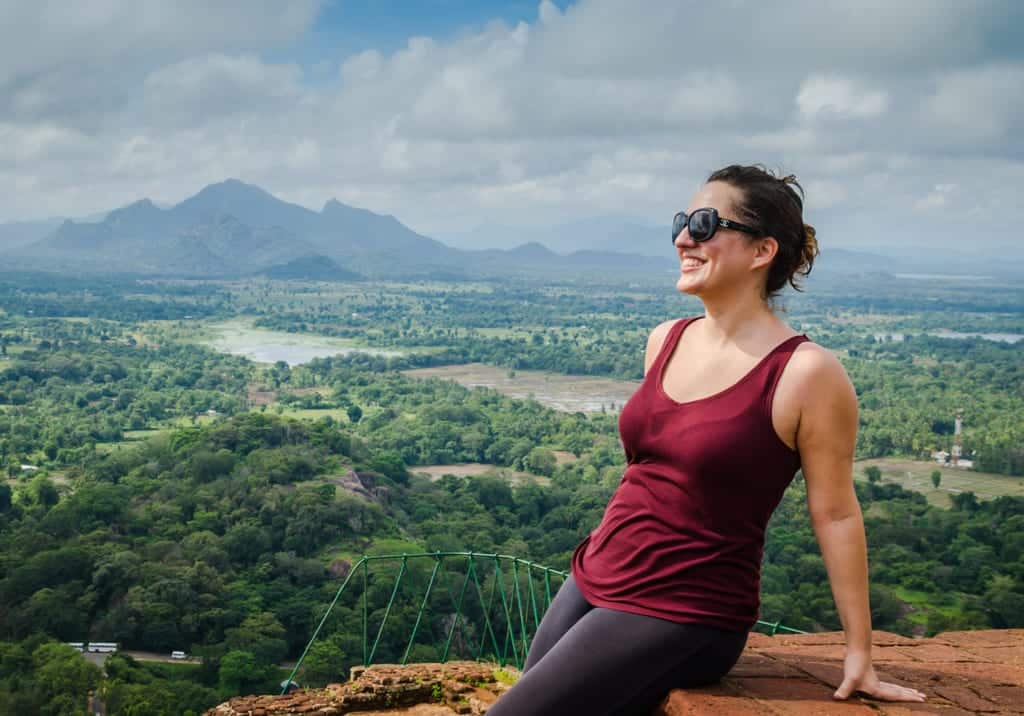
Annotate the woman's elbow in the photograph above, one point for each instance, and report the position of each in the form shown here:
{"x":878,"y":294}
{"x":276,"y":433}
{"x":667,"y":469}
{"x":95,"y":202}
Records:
{"x":831,"y":511}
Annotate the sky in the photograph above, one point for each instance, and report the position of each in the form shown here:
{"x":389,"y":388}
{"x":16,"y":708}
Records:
{"x":903,"y":120}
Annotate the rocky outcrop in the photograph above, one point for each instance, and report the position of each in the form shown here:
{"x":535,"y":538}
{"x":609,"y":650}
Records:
{"x":360,"y":485}
{"x":458,"y":687}
{"x":962,"y":673}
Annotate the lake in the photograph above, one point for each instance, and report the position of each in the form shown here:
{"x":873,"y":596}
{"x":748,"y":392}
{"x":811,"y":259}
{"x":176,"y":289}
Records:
{"x":265,"y":346}
{"x":1000,"y":337}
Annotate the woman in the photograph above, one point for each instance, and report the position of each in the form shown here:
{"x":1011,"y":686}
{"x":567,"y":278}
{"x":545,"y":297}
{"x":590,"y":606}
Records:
{"x":663,"y":592}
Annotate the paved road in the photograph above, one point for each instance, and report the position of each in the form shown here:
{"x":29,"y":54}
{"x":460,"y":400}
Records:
{"x":98,"y":659}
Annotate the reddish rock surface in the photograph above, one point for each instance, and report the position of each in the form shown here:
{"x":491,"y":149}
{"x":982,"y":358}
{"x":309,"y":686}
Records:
{"x":978,"y":672}
{"x":961,"y":672}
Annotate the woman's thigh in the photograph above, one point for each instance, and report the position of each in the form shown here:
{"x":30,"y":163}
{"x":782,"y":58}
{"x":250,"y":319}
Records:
{"x":699,"y":668}
{"x":608,"y":662}
{"x":566,"y":609}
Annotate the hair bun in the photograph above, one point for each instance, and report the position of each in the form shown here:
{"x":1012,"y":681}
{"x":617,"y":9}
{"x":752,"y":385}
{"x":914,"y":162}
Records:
{"x":809,"y":251}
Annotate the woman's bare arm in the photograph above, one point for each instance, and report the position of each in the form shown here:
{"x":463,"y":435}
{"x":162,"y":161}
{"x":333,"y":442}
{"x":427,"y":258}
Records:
{"x":826,"y":438}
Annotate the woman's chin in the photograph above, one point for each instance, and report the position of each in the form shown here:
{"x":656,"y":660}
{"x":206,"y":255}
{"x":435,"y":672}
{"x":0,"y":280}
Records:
{"x":686,"y":285}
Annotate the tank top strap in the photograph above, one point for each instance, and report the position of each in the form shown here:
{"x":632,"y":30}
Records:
{"x":772,"y":368}
{"x":669,"y":345}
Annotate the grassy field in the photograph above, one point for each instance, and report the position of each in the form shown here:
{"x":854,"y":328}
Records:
{"x":132,"y":437}
{"x":470,"y":469}
{"x":916,"y":475}
{"x":339,"y":414}
{"x":563,"y":457}
{"x":921,"y":604}
{"x":569,"y":393}
{"x":141,"y":434}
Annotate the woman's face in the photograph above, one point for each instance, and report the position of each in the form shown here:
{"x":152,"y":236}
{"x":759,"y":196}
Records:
{"x":724,"y":260}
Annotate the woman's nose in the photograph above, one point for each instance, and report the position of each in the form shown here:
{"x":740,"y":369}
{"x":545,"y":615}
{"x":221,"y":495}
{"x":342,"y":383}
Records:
{"x":683,"y":239}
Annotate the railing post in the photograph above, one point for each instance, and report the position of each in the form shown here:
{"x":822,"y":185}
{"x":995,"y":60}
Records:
{"x":366,"y":661}
{"x":487,"y":616}
{"x":423,"y":606}
{"x":380,"y":631}
{"x":458,"y":611}
{"x":509,"y":627}
{"x":533,"y":600}
{"x":522,"y":613}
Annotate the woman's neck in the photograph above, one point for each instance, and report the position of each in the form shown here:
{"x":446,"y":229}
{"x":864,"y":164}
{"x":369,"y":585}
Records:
{"x":735,"y":318}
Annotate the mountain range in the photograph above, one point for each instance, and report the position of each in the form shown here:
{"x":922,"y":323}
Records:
{"x":232,"y":229}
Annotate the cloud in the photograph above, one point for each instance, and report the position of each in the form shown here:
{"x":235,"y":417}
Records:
{"x":605,"y":106}
{"x":216,"y":86}
{"x":979,"y":107}
{"x":839,"y":97}
{"x":67,"y":61}
{"x":938,"y":198}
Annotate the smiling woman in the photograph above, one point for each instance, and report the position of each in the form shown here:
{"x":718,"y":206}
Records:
{"x":772,"y":207}
{"x":663,"y":592}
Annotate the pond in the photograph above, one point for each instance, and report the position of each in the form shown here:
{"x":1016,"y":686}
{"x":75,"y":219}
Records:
{"x":266,"y":346}
{"x":945,"y":333}
{"x":1001,"y":337}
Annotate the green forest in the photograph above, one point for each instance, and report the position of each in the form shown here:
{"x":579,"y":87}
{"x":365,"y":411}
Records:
{"x":166,"y":496}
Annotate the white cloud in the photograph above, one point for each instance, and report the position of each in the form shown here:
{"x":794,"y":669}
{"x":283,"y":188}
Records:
{"x":47,"y":36}
{"x":20,"y":144}
{"x":841,"y":97}
{"x":215,"y":86}
{"x":978,"y":106}
{"x":938,"y":198}
{"x":607,"y":106}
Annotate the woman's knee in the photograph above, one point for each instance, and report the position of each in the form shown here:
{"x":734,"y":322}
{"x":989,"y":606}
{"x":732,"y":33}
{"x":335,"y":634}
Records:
{"x":713,"y":661}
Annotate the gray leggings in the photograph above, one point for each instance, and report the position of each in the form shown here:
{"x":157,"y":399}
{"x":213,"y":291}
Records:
{"x":603,"y":662}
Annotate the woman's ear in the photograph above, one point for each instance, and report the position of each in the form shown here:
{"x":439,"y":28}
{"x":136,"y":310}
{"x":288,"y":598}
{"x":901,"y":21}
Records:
{"x":765,"y":249}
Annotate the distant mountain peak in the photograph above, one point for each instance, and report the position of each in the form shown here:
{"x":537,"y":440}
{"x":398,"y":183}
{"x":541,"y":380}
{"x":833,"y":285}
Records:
{"x":142,"y":205}
{"x":532,"y":248}
{"x":233,"y":187}
{"x":334,"y":206}
{"x":136,"y":211}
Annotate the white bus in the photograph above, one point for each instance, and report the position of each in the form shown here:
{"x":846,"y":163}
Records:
{"x":178,"y":655}
{"x":102,"y":647}
{"x":77,"y":645}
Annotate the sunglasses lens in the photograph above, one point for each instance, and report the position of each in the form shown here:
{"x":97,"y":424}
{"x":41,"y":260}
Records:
{"x":678,"y":223}
{"x":702,"y":225}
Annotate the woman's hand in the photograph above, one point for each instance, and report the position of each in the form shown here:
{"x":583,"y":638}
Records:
{"x":859,"y":675}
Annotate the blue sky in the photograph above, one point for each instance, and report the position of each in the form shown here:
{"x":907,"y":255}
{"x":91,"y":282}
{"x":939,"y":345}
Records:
{"x":346,"y":27}
{"x":902,"y":119}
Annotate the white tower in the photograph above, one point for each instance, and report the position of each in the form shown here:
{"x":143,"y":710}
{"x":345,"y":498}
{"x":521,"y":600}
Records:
{"x":956,"y":437}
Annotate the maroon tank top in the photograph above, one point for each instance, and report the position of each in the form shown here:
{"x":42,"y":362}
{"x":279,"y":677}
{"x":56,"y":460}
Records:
{"x":682,"y":537}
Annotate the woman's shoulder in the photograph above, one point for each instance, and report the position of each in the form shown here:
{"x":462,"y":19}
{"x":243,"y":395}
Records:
{"x":812,"y":363}
{"x":657,"y":337}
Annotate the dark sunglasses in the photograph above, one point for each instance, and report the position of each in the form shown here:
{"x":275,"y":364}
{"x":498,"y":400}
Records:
{"x":703,"y":223}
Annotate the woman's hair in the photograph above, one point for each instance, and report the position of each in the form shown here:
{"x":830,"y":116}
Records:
{"x":775,"y":205}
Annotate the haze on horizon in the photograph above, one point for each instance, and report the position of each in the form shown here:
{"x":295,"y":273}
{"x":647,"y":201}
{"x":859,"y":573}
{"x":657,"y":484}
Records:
{"x":473,"y":121}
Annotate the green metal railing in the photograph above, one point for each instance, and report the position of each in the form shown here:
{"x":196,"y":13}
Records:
{"x":480,"y":567}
